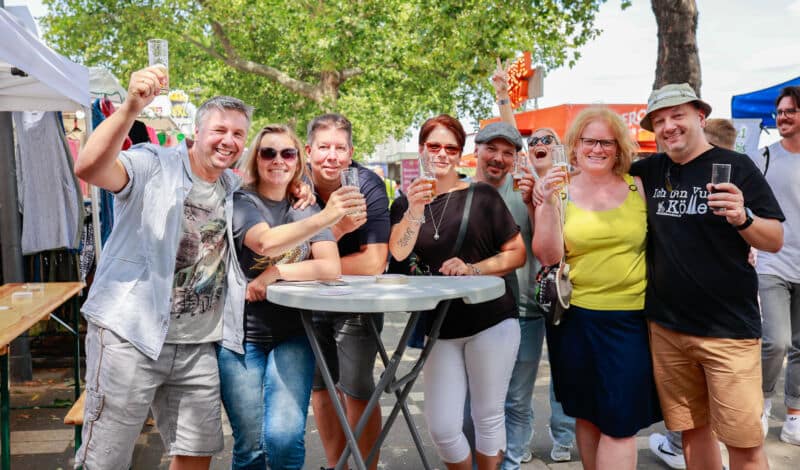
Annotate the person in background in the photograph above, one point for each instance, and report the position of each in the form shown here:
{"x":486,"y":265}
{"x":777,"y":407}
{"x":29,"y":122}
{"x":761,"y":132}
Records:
{"x":720,"y":133}
{"x":779,"y":273}
{"x":478,"y":343}
{"x":668,"y":447}
{"x":707,"y":367}
{"x":519,"y":401}
{"x":266,"y":390}
{"x":362,"y":237}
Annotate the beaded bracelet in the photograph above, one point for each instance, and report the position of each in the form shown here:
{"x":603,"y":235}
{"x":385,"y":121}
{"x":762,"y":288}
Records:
{"x":419,"y":221}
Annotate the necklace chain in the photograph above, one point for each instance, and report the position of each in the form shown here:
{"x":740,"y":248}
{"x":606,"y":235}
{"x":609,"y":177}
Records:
{"x":441,"y":217}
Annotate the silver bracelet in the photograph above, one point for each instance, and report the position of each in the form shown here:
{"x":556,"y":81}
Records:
{"x":419,"y":221}
{"x":475,"y":270}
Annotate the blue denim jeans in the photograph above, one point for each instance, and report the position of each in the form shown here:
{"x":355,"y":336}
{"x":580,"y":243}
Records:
{"x":266,"y":393}
{"x":562,"y":427}
{"x":519,"y":407}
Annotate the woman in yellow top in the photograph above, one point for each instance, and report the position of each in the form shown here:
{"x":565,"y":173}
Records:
{"x":599,"y":353}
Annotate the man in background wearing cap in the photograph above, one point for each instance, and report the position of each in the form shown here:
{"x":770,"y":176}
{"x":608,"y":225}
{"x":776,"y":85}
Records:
{"x":701,"y":293}
{"x":496,"y":147}
{"x":779,"y":274}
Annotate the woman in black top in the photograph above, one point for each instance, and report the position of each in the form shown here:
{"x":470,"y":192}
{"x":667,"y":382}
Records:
{"x":478,"y":343}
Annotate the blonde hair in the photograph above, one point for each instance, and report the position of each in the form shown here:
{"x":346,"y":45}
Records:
{"x":252,"y":178}
{"x":626,"y":146}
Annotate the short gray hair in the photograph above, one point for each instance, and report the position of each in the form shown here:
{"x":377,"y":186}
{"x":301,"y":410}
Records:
{"x":329,"y":121}
{"x":223,"y":103}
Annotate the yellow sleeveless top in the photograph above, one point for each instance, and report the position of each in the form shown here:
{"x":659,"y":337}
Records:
{"x":606,"y":254}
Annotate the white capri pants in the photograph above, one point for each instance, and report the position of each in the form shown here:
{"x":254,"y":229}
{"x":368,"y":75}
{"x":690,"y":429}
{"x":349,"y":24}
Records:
{"x":483,"y":362}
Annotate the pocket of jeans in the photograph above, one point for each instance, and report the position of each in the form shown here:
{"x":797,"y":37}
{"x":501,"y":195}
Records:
{"x":93,"y":406}
{"x":109,"y":339}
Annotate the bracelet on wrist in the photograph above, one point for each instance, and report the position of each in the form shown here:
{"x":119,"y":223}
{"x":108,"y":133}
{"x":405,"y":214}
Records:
{"x":503,"y":101}
{"x":414,"y":220}
{"x":475,"y":270}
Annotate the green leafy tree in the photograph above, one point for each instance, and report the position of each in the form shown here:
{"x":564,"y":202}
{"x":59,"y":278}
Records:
{"x":386,"y":64}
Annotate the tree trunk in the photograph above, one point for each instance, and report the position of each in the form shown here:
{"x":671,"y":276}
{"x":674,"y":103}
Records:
{"x":678,"y":59}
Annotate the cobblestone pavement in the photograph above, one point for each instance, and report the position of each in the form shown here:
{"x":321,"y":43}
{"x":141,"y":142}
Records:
{"x":40,"y":441}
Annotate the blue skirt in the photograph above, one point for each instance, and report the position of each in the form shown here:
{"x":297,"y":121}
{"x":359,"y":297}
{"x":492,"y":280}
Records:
{"x":602,"y":371}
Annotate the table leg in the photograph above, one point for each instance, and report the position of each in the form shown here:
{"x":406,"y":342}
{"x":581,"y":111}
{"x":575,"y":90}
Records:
{"x":399,"y":396}
{"x":352,"y":443}
{"x":407,"y":381}
{"x":5,"y":413}
{"x":76,"y":320}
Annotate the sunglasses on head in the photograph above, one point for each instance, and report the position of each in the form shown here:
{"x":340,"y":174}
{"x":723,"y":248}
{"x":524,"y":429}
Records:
{"x":545,"y":140}
{"x":269,"y":153}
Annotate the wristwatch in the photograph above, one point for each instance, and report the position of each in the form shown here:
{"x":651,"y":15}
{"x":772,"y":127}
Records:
{"x":748,"y":221}
{"x":503,"y":101}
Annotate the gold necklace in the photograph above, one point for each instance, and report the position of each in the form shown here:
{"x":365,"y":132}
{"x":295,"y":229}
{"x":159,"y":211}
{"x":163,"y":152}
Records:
{"x":441,"y":217}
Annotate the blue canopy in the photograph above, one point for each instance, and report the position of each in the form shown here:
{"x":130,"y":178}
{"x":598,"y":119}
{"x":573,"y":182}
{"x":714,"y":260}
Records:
{"x":759,"y":104}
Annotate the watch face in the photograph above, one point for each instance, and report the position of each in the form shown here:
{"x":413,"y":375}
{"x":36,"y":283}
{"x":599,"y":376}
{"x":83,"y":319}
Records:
{"x":748,"y":212}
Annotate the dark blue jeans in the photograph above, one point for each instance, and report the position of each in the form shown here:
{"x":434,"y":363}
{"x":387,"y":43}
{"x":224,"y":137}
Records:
{"x":266,"y":393}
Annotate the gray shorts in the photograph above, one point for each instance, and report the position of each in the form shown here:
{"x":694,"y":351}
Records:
{"x":122,"y":384}
{"x":349,"y":350}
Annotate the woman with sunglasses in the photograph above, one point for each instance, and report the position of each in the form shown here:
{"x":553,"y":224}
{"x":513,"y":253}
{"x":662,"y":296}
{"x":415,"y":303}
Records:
{"x":599,"y":353}
{"x":478,"y":343}
{"x":266,"y":390}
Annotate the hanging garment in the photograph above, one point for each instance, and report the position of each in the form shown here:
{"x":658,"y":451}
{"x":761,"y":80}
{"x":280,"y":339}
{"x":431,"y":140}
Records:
{"x":49,"y":195}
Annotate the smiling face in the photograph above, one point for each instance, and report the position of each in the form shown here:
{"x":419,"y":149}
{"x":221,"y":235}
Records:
{"x":329,"y":154}
{"x":788,"y":126}
{"x":277,"y":172}
{"x":597,"y":148}
{"x":495,"y":160}
{"x":220,"y":140}
{"x":540,"y":152}
{"x":443,"y":162}
{"x":679,"y":130}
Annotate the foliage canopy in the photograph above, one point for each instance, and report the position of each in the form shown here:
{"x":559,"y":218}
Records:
{"x":386,"y":64}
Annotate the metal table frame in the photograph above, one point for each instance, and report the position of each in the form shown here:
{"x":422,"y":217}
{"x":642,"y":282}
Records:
{"x":5,"y":405}
{"x":388,"y":383}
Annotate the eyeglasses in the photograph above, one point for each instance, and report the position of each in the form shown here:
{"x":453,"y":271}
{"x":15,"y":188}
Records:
{"x":545,"y":140}
{"x":434,"y":148}
{"x":605,"y":143}
{"x":789,"y":112}
{"x":269,"y":153}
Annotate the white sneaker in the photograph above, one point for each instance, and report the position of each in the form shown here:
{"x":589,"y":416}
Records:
{"x":526,"y":457}
{"x":560,"y":453}
{"x":790,"y":432}
{"x":659,"y":445}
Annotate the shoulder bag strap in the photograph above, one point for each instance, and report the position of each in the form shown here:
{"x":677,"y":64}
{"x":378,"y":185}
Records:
{"x":462,"y":230}
{"x":766,"y":157}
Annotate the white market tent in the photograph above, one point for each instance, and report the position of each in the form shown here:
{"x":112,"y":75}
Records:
{"x":53,"y":83}
{"x":32,"y":78}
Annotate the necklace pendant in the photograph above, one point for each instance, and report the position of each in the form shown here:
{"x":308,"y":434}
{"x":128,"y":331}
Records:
{"x":435,"y":236}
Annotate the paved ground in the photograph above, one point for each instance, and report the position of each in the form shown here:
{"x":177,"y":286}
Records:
{"x":40,"y":441}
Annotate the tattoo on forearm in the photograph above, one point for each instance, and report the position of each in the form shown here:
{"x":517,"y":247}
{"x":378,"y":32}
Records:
{"x":406,"y":238}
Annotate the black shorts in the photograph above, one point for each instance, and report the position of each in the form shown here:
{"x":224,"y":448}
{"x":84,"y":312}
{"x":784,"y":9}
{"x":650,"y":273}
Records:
{"x":349,"y":350}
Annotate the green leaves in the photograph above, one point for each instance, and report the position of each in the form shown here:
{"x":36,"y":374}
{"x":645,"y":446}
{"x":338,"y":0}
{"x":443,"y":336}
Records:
{"x":386,"y":64}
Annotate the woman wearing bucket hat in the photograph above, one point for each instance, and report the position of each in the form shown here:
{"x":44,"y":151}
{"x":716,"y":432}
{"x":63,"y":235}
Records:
{"x":599,"y":352}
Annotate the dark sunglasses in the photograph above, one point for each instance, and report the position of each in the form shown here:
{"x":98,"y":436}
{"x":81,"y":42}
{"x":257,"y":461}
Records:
{"x":545,"y":140}
{"x":671,"y":181}
{"x":435,"y":148}
{"x":269,"y":153}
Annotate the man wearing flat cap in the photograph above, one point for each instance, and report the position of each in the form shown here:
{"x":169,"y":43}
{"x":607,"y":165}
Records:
{"x":496,"y":147}
{"x":705,"y":326}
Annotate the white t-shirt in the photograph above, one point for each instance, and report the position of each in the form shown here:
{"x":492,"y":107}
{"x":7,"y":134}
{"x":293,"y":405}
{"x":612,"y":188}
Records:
{"x":199,"y":283}
{"x":783,"y":176}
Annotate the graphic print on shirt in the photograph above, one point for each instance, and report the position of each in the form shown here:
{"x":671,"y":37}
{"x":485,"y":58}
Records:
{"x":294,"y":255}
{"x":200,"y":263}
{"x":681,"y":201}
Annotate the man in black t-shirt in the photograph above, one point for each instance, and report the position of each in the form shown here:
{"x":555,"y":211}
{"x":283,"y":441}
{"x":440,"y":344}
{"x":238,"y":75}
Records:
{"x":705,"y":325}
{"x":363,"y":240}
